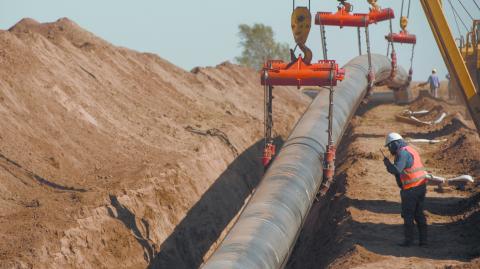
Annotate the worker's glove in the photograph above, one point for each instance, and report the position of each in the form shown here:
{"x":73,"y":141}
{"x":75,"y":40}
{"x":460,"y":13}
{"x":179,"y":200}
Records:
{"x":390,"y":167}
{"x":386,"y":162}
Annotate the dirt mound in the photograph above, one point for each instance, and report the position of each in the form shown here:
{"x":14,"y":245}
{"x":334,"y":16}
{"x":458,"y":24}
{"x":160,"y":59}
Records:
{"x":425,"y":102}
{"x":103,"y":159}
{"x":450,"y":125}
{"x":461,"y":153}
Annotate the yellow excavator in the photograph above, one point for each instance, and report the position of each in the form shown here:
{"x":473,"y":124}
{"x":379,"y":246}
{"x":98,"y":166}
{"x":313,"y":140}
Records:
{"x":462,"y":62}
{"x":469,"y":48}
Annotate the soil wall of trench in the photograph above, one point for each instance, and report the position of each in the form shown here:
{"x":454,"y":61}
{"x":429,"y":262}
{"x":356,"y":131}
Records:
{"x":112,"y":158}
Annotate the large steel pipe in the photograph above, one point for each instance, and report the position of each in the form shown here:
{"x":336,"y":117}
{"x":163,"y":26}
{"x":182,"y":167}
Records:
{"x":267,"y":229}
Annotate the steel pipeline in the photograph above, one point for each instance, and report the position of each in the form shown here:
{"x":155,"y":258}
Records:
{"x":267,"y":229}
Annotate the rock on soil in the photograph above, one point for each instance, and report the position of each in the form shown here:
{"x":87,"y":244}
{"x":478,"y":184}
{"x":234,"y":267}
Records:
{"x":99,"y":164}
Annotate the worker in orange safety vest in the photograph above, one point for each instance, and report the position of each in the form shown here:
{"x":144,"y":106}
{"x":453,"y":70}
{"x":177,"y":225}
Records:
{"x":411,"y":177}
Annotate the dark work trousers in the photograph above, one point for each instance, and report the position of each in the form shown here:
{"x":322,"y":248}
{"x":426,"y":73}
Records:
{"x":412,"y":210}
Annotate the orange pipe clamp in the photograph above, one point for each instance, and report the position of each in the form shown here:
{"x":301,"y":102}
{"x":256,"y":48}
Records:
{"x":344,"y":18}
{"x":381,"y":15}
{"x":402,"y":37}
{"x":297,"y":73}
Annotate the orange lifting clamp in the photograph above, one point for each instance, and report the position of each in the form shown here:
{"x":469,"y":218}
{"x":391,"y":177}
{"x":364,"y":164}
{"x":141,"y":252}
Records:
{"x":344,"y":17}
{"x":297,"y":73}
{"x":380,"y":15}
{"x":404,"y":37}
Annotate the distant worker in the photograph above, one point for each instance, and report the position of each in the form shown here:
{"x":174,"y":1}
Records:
{"x":434,"y":83}
{"x":451,"y":90}
{"x":410,"y":175}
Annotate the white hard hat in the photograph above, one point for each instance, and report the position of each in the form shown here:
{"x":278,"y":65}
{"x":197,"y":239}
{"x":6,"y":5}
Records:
{"x":434,"y":70}
{"x":392,"y":137}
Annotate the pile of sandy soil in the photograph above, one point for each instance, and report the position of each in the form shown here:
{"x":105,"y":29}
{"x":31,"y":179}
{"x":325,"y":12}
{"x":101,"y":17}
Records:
{"x":358,"y":225}
{"x":112,"y":158}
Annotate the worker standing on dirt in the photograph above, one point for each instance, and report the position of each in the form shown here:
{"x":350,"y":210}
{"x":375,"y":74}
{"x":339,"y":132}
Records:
{"x":411,"y":178}
{"x":451,"y":89}
{"x":434,"y":83}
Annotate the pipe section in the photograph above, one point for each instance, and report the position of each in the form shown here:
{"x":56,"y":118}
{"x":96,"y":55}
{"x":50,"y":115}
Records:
{"x":463,"y":179}
{"x":267,"y":229}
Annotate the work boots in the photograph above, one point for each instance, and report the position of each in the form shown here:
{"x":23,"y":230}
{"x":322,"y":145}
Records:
{"x":422,"y":232}
{"x":408,"y":230}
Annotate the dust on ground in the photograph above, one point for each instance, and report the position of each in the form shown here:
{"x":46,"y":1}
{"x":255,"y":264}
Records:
{"x":111,"y":158}
{"x":359,"y":225}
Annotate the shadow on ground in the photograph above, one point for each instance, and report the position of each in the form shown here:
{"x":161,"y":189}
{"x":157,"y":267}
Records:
{"x":383,"y":239}
{"x":203,"y":224}
{"x":444,"y":206}
{"x":317,"y":243}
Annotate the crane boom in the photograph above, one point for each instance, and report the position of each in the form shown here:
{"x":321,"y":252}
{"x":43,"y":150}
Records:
{"x":451,"y":55}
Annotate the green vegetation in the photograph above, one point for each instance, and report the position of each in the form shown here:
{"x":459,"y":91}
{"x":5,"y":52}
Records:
{"x":259,"y":45}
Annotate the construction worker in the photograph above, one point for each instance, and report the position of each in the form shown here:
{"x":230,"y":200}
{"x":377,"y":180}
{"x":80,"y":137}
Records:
{"x":451,"y":90}
{"x":410,"y":175}
{"x":434,"y":83}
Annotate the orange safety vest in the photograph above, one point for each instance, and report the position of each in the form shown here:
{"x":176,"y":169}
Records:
{"x":415,"y":175}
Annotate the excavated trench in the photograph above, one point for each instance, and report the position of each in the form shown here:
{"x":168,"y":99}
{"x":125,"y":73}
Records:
{"x":358,"y":224}
{"x":264,"y":235}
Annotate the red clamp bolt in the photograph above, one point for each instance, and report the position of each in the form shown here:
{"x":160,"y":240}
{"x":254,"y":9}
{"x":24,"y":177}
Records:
{"x":328,"y":169}
{"x":268,"y":153}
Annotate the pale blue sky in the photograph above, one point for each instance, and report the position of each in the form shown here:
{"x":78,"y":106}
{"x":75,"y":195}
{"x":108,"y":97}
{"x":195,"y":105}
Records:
{"x":193,"y":33}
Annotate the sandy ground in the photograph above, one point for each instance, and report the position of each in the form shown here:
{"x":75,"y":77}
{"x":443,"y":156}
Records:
{"x":359,"y":225}
{"x":111,"y":158}
{"x":100,"y":164}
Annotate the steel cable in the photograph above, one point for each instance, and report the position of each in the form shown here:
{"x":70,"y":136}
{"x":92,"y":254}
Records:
{"x":475,"y":2}
{"x":457,"y":15}
{"x":401,"y":9}
{"x":408,"y":10}
{"x":456,"y":22}
{"x":466,"y":10}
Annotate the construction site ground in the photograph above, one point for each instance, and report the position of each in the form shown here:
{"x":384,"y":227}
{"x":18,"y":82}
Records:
{"x":112,"y":158}
{"x":359,"y":224}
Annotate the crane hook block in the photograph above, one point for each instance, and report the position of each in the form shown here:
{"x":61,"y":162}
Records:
{"x":344,"y":18}
{"x":297,"y":73}
{"x":403,"y":37}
